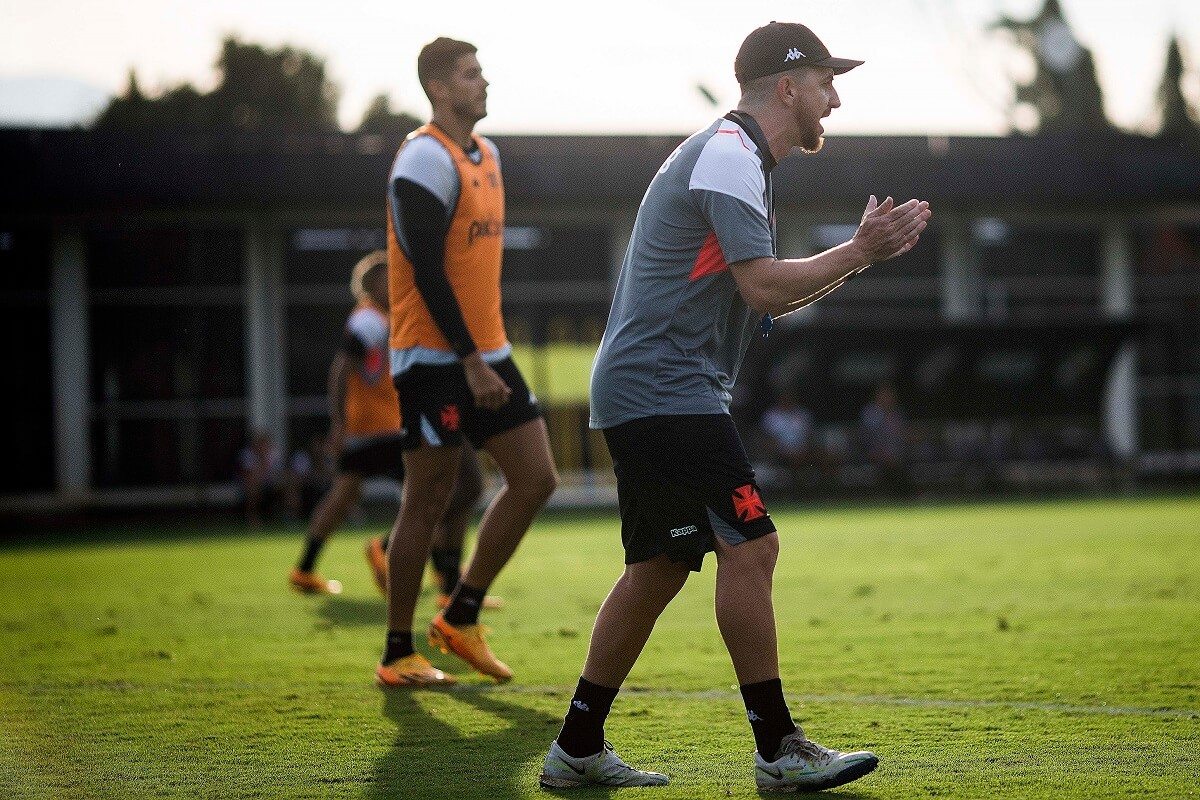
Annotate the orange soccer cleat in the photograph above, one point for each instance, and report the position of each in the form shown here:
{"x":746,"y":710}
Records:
{"x":467,"y":643}
{"x":377,"y":559}
{"x":312,"y":583}
{"x":411,"y":670}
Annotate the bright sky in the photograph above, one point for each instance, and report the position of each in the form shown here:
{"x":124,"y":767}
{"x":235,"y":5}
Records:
{"x":628,"y":66}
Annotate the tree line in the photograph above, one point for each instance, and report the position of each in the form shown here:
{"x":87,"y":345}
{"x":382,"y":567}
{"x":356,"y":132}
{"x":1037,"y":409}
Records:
{"x":287,"y":88}
{"x":258,"y":88}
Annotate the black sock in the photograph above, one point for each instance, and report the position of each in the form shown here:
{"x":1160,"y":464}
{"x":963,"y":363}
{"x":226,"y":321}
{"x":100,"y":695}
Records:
{"x":312,"y":549}
{"x":464,"y":605}
{"x":399,"y":645}
{"x":446,"y":562}
{"x":582,"y":732}
{"x":768,"y":714}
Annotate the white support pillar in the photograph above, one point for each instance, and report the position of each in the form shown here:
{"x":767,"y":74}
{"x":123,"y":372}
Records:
{"x":1117,"y":303}
{"x":70,"y":364}
{"x":961,"y":284}
{"x":266,"y":366}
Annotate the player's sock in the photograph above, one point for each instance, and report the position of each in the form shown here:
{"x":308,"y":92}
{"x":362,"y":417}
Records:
{"x":446,"y":563}
{"x":464,"y":605}
{"x":399,"y":645}
{"x":582,"y":732}
{"x":768,"y":714}
{"x":383,"y":542}
{"x":312,"y":549}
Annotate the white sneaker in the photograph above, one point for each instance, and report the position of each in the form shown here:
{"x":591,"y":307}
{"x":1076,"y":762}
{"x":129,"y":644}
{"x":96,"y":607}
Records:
{"x":561,"y":771}
{"x":804,"y":765}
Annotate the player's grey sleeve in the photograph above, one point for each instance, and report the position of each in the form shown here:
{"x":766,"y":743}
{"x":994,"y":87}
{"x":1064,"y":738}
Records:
{"x":742,"y":230}
{"x":426,"y":162}
{"x":492,"y":146}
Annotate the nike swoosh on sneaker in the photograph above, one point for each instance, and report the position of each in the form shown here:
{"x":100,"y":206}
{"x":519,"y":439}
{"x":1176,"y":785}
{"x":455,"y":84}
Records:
{"x":776,"y":773}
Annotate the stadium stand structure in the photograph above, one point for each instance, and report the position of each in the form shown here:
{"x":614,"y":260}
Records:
{"x":167,"y":293}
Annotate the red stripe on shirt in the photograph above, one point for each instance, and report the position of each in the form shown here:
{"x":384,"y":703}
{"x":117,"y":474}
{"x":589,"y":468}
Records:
{"x":710,"y":260}
{"x":739,"y":135}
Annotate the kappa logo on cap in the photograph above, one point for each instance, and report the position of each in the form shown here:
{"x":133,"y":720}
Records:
{"x":794,"y":55}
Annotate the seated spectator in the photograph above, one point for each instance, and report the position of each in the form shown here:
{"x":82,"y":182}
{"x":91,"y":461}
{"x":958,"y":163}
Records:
{"x":260,"y":470}
{"x":790,"y":440}
{"x":884,"y":435}
{"x":789,"y":428}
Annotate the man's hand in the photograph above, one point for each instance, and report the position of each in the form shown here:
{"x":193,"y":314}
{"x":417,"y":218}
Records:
{"x":489,"y":389}
{"x":888,"y":230}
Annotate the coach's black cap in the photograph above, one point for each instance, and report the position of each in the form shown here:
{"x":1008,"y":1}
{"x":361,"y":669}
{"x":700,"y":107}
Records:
{"x":781,"y":46}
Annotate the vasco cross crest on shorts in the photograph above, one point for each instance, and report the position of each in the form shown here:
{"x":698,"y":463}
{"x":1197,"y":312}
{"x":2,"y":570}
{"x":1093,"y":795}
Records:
{"x":450,"y":417}
{"x":747,"y":504}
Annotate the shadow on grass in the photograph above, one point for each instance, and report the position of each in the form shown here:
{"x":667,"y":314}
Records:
{"x":432,"y":758}
{"x":347,"y":611}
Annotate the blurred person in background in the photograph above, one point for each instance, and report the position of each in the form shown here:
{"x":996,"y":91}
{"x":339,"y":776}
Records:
{"x":788,"y":437}
{"x":452,"y":366}
{"x":885,"y":434}
{"x":261,"y":474}
{"x":365,"y":439}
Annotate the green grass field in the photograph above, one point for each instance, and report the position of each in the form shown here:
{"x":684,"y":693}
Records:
{"x":1019,"y":650}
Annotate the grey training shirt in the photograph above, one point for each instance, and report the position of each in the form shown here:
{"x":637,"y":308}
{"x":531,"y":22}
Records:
{"x":678,"y":328}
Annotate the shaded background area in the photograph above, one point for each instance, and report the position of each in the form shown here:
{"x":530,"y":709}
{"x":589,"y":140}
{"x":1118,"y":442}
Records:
{"x":174,"y":280}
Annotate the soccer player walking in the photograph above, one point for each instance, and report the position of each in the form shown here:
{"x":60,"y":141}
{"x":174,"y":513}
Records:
{"x":700,"y":278}
{"x":364,"y":419}
{"x":364,"y":433}
{"x":451,"y":364}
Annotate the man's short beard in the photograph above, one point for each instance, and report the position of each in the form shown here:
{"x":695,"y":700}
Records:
{"x":815,"y":148}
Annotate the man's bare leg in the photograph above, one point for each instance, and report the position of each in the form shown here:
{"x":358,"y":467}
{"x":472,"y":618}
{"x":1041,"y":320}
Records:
{"x":334,"y":506}
{"x":627,"y":618}
{"x":327,"y":516}
{"x":448,"y":537}
{"x":746,"y":618}
{"x":745,"y":614}
{"x":523,"y":456}
{"x":622,"y":629}
{"x":530,"y":477}
{"x":429,"y":474}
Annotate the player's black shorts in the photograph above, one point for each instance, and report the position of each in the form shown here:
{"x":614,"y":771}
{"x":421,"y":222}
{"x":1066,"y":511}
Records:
{"x":439,"y":410}
{"x":681,"y":480}
{"x":375,"y":455}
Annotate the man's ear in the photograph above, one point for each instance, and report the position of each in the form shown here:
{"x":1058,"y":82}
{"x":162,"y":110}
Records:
{"x":785,"y":89}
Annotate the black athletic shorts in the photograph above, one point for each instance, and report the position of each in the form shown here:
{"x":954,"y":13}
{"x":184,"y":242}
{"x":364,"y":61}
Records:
{"x":439,"y":410}
{"x":681,"y":480}
{"x":374,"y":455}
